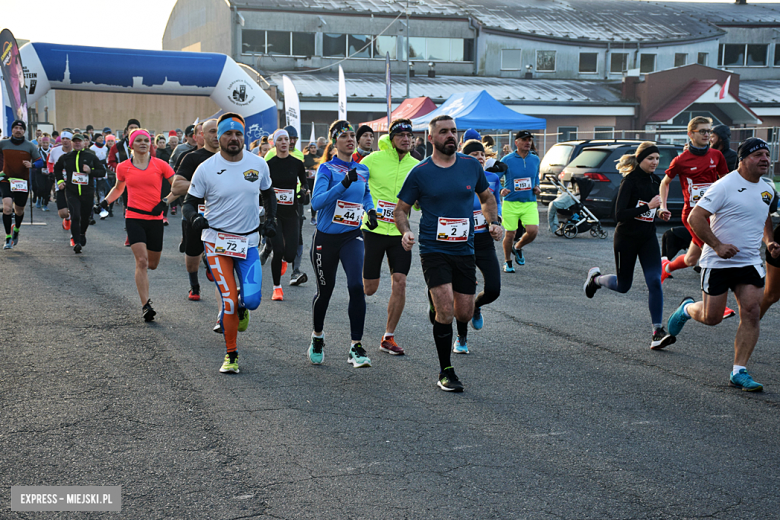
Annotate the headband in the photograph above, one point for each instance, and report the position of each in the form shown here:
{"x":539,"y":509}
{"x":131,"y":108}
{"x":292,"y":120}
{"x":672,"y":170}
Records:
{"x":647,"y":151}
{"x":340,"y":130}
{"x":401,"y":126}
{"x":279,"y":133}
{"x":231,"y":123}
{"x":66,"y":135}
{"x":473,"y":147}
{"x":751,"y":145}
{"x":137,"y":132}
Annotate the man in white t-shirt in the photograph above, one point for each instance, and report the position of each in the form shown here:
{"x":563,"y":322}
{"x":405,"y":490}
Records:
{"x":739,"y":205}
{"x":228,"y":186}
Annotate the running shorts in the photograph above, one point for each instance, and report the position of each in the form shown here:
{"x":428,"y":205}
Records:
{"x":696,"y":240}
{"x":20,"y":197}
{"x":62,"y":201}
{"x":149,"y":232}
{"x":525,"y":212}
{"x":716,"y":281}
{"x":774,"y":262}
{"x":193,"y":245}
{"x":376,"y":246}
{"x":459,"y":270}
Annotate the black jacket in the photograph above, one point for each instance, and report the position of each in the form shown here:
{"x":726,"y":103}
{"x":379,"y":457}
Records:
{"x":631,"y":216}
{"x":66,"y":166}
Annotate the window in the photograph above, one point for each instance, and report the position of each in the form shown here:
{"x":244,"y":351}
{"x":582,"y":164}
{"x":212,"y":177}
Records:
{"x":416,"y":48}
{"x":567,"y":133}
{"x":277,"y":43}
{"x":589,"y":158}
{"x":385,"y":44}
{"x":647,"y":63}
{"x":618,"y":62}
{"x":680,"y":59}
{"x":756,"y":55}
{"x":356,"y":42}
{"x":777,"y":54}
{"x":742,"y":55}
{"x":703,"y":58}
{"x":511,"y":59}
{"x":334,"y":45}
{"x":437,"y":49}
{"x":558,"y":155}
{"x":303,"y":44}
{"x":253,"y":41}
{"x":589,"y":62}
{"x":545,"y":61}
{"x":604,"y":132}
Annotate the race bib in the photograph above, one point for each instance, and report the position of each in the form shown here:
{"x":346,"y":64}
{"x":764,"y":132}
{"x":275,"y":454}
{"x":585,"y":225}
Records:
{"x":347,"y":213}
{"x":285,"y":197}
{"x":384,"y":211}
{"x":523,"y":184}
{"x":18,"y":185}
{"x":82,"y":179}
{"x":231,"y":245}
{"x":697,"y":192}
{"x":647,"y":216}
{"x":202,"y":209}
{"x":452,"y":230}
{"x":480,"y":224}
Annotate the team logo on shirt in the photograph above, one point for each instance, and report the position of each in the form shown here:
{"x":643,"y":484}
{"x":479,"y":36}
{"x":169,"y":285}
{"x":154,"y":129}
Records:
{"x":251,"y":175}
{"x":766,"y":197}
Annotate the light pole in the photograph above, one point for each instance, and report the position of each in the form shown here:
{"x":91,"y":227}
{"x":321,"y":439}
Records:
{"x":407,"y":50}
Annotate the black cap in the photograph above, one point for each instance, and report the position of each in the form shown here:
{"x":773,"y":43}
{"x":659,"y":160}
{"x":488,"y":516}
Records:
{"x":522,"y":134}
{"x":135,"y":122}
{"x":751,"y":145}
{"x":106,"y":130}
{"x":362,"y":130}
{"x":291,"y":131}
{"x":189,"y":131}
{"x":19,"y":122}
{"x":90,"y":127}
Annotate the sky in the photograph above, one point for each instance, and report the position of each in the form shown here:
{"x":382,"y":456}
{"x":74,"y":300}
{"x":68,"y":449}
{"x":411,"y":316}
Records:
{"x":139,"y":24}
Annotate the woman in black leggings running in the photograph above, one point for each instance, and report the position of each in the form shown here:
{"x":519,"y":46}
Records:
{"x":635,"y":237}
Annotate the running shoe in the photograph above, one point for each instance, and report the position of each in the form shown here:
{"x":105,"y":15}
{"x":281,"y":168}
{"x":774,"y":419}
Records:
{"x":77,"y":249}
{"x":66,"y":224}
{"x":83,"y":240}
{"x":278,"y":295}
{"x":110,"y":213}
{"x":229,"y":367}
{"x":38,"y":204}
{"x":92,"y":221}
{"x":661,"y":339}
{"x":449,"y":382}
{"x":519,"y":258}
{"x":72,"y":242}
{"x":243,"y":319}
{"x":357,"y":356}
{"x":265,"y":254}
{"x":195,"y":294}
{"x":165,"y":221}
{"x":181,"y":246}
{"x":148,"y":312}
{"x":316,"y":355}
{"x":727,"y":312}
{"x":591,"y":286}
{"x":313,"y":221}
{"x":460,"y":346}
{"x":298,"y":278}
{"x":173,"y":210}
{"x":743,"y":380}
{"x":477,"y":321}
{"x":664,"y":274}
{"x":284,"y":267}
{"x":218,"y":328}
{"x":508,"y":268}
{"x":16,"y":237}
{"x":9,"y":244}
{"x":45,"y":208}
{"x":103,"y":215}
{"x":390,"y":346}
{"x":678,"y":317}
{"x":127,"y":241}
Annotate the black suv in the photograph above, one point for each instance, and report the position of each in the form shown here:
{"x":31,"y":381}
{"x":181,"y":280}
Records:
{"x":599,"y":163}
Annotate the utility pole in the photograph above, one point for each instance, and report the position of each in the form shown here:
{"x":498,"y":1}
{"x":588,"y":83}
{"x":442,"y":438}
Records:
{"x":407,"y":50}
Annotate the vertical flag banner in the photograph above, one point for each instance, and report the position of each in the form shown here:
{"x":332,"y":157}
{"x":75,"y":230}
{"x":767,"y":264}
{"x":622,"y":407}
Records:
{"x":725,"y":89}
{"x":13,"y":77}
{"x":388,"y":88}
{"x":342,"y":95}
{"x":312,"y":137}
{"x":292,"y":110}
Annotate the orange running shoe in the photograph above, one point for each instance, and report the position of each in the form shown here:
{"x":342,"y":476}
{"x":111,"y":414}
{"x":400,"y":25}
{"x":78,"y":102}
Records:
{"x":66,"y":224}
{"x":728,"y":313}
{"x":664,"y":275}
{"x":278,"y":295}
{"x":284,"y":267}
{"x":390,"y":346}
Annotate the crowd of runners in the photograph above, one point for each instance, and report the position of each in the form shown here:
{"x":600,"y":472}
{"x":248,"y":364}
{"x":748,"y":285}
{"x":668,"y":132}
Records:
{"x":244,"y":203}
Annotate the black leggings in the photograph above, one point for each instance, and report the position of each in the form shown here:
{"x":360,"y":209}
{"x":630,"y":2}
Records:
{"x":285,"y":245}
{"x":42,"y":187}
{"x":487,"y":262}
{"x":79,"y":207}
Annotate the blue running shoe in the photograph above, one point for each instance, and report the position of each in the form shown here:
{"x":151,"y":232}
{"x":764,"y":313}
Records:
{"x":508,"y":268}
{"x":316,"y":355}
{"x":743,"y":380}
{"x":477,"y":321}
{"x":460,"y":347}
{"x":519,"y":258}
{"x":678,"y":317}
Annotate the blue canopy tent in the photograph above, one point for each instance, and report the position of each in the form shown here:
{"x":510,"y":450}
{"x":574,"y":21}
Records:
{"x":480,"y":111}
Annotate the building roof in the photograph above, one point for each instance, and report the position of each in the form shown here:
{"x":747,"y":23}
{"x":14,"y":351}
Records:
{"x":579,"y":20}
{"x":760,"y":92}
{"x":683,"y":100}
{"x":509,"y":91}
{"x":729,"y":13}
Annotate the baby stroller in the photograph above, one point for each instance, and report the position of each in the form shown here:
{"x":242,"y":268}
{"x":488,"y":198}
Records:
{"x":582,"y":219}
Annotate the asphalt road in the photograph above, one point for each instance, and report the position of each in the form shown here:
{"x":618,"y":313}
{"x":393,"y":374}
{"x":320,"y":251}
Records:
{"x":567,"y":413}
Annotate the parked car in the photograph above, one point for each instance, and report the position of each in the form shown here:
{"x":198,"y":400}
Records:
{"x":561,"y":154}
{"x":599,"y":163}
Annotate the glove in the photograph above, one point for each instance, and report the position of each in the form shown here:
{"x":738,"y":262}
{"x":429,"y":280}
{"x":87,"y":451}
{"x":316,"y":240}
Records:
{"x":303,"y":197}
{"x":372,"y":223}
{"x":103,"y":204}
{"x":498,"y":167}
{"x":269,"y":230}
{"x":199,"y":223}
{"x":159,"y":208}
{"x":350,"y":177}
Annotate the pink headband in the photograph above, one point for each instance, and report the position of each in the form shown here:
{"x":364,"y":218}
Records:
{"x":136,"y":133}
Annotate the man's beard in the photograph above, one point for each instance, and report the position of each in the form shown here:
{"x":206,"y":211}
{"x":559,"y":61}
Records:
{"x":448,"y":148}
{"x":228,"y":151}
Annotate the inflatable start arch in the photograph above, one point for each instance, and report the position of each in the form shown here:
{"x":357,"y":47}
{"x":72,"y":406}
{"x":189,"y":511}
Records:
{"x":68,"y":67}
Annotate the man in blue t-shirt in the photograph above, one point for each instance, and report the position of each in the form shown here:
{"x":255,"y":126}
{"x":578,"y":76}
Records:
{"x":444,"y":185}
{"x":521,"y":186}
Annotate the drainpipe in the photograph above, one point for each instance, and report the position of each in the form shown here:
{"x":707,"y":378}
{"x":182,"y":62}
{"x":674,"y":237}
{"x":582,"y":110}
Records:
{"x":474,"y":25}
{"x":606,"y":61}
{"x":636,"y":57}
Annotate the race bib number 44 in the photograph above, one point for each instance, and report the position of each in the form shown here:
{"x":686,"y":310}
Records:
{"x":18,"y":184}
{"x":285,"y":197}
{"x":452,"y":229}
{"x":384,"y":211}
{"x":347,"y":213}
{"x":647,"y":216}
{"x":697,"y":192}
{"x":523,"y":184}
{"x":231,"y":245}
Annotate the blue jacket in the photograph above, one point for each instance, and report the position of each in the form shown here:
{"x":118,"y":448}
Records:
{"x":522,"y":176}
{"x":494,"y":185}
{"x":328,"y":190}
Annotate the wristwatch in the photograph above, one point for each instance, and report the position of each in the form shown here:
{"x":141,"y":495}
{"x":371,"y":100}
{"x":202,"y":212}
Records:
{"x":495,"y":223}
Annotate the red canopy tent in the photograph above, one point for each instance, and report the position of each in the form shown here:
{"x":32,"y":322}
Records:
{"x":409,"y":109}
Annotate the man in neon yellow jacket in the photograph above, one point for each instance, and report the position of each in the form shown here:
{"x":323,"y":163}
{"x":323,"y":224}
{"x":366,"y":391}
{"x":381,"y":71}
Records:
{"x":388,"y":169}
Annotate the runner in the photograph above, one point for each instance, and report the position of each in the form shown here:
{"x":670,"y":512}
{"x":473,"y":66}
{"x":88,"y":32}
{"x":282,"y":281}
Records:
{"x":388,"y":169}
{"x":76,"y":172}
{"x":484,"y":248}
{"x":59,"y":196}
{"x":365,"y":138}
{"x":739,"y":205}
{"x":522,"y":186}
{"x":18,"y":156}
{"x":293,"y":135}
{"x":637,"y":204}
{"x":191,"y":244}
{"x":229,"y":185}
{"x":41,"y":176}
{"x":444,"y":185}
{"x":143,"y":175}
{"x":119,"y":153}
{"x":341,"y":195}
{"x":101,"y":152}
{"x":188,"y":145}
{"x":286,"y":173}
{"x":720,"y":139}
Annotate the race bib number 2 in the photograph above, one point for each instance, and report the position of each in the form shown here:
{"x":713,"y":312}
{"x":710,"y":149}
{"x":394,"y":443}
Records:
{"x":231,"y":245}
{"x":347,"y":213}
{"x":18,"y":185}
{"x":452,"y":230}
